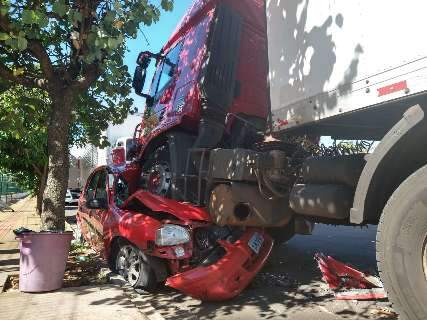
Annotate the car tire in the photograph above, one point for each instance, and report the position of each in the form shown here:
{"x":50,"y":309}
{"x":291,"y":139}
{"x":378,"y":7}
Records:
{"x":134,"y":266}
{"x":402,"y":247}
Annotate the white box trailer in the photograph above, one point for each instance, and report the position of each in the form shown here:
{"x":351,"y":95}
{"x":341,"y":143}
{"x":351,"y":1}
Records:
{"x":356,"y":69}
{"x":346,"y":63}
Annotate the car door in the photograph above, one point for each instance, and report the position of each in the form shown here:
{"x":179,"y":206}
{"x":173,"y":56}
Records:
{"x":99,"y":216}
{"x":84,"y":213}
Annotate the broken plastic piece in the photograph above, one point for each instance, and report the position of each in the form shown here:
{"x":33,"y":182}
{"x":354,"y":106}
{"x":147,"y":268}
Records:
{"x":339,"y":275}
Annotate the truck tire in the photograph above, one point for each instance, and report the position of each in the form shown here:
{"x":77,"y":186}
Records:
{"x":402,"y":247}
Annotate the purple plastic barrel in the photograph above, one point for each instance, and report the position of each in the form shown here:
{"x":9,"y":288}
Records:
{"x":43,"y":260}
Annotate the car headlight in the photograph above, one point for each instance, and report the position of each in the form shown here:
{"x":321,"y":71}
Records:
{"x":171,"y":235}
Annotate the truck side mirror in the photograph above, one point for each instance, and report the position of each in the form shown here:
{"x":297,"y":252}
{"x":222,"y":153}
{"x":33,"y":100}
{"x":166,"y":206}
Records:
{"x":139,"y":79}
{"x":143,"y":61}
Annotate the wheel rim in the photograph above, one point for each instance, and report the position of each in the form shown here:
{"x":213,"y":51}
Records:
{"x":159,"y":179}
{"x":128,"y":264}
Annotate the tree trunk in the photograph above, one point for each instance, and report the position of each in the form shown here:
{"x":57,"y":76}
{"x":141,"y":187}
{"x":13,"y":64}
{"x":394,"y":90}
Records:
{"x":53,"y":215}
{"x":40,"y":191}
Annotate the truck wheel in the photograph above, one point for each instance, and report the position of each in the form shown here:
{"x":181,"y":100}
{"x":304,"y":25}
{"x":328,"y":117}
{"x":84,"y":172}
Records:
{"x":158,"y":172}
{"x":133,"y":266}
{"x":402,"y":247}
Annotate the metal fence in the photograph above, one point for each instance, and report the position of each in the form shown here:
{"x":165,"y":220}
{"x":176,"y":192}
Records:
{"x":7,"y":186}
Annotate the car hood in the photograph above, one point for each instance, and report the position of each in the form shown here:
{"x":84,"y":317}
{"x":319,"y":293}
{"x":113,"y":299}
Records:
{"x":183,"y":211}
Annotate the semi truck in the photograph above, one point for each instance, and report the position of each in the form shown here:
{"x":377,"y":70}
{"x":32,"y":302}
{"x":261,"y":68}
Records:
{"x":245,"y":90}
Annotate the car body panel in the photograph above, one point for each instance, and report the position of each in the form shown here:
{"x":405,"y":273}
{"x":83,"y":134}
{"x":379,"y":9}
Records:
{"x":182,"y":211}
{"x":226,"y":278}
{"x":142,"y":214}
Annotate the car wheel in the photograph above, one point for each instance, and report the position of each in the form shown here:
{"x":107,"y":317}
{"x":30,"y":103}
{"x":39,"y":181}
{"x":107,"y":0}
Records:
{"x":133,"y":266}
{"x":402,"y":247}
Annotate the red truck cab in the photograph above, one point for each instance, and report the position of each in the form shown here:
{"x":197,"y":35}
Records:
{"x":202,"y":72}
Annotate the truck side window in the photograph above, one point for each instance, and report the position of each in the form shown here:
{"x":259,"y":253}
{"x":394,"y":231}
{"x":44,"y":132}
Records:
{"x":169,"y":66}
{"x":166,"y":70}
{"x":121,"y":192}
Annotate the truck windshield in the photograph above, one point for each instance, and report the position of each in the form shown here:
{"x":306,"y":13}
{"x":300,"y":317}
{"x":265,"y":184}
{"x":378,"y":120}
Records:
{"x":166,"y":70}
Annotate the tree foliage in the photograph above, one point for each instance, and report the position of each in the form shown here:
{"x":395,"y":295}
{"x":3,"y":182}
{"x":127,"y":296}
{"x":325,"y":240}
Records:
{"x":23,"y":136}
{"x":72,"y":50}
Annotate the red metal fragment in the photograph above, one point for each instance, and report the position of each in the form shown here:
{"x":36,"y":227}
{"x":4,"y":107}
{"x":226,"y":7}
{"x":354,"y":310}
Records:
{"x":339,"y":275}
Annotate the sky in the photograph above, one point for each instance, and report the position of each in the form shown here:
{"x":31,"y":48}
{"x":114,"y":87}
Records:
{"x":157,"y":36}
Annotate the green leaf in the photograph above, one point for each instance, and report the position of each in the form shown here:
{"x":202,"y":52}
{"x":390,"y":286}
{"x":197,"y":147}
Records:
{"x":41,"y":19}
{"x":4,"y":36}
{"x":77,"y":16}
{"x":28,"y":16}
{"x":22,"y":43}
{"x":4,"y":10}
{"x":60,"y":8}
{"x":167,"y":5}
{"x":110,"y":17}
{"x":18,"y":71}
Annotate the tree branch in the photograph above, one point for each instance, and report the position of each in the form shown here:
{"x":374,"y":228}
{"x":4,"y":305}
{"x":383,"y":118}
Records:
{"x":91,"y":73}
{"x":40,"y":53}
{"x":7,"y":74}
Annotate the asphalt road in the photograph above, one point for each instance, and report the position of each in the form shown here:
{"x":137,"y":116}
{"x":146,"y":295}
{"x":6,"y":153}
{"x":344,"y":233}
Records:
{"x":288,"y":287}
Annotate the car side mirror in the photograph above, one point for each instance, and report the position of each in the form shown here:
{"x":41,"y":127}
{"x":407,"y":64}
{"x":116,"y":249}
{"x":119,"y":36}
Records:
{"x":97,"y":204}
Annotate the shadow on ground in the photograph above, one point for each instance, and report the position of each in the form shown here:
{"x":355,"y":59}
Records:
{"x":289,"y":286}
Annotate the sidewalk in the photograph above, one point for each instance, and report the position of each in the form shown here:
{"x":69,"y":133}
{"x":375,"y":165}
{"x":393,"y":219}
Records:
{"x":9,"y":253}
{"x":101,"y":302}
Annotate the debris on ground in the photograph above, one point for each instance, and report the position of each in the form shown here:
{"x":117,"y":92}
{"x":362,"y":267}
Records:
{"x":384,"y":314}
{"x":358,"y":285}
{"x":84,"y":267}
{"x":362,"y":294}
{"x":269,"y":279}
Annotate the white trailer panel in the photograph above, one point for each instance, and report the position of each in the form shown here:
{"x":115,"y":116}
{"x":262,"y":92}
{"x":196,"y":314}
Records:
{"x":332,"y":57}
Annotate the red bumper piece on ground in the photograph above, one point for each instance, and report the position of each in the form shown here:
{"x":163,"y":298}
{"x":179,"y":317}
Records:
{"x":228,"y":277}
{"x":339,"y":275}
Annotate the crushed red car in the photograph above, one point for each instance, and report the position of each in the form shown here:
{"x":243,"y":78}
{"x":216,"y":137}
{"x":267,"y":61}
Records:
{"x":151,"y":240}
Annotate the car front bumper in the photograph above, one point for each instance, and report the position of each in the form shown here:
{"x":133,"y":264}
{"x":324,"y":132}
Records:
{"x":226,"y":278}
